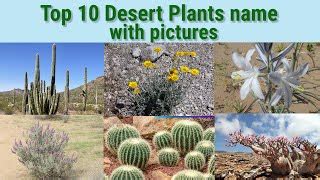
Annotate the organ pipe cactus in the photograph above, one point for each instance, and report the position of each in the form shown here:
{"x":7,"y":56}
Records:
{"x":66,"y":94}
{"x":209,"y":134}
{"x":168,"y":157}
{"x":25,"y":95}
{"x":44,"y":100}
{"x":134,"y":151}
{"x":127,"y":172}
{"x":117,"y":134}
{"x":194,"y":160}
{"x":206,"y":148}
{"x":188,"y":175}
{"x":211,"y":165}
{"x":186,"y":134}
{"x":85,"y":89}
{"x":162,"y":139}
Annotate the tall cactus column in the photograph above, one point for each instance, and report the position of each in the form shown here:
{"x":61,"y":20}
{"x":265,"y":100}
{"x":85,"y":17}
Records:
{"x":66,"y":94}
{"x":85,"y":89}
{"x":25,"y":94}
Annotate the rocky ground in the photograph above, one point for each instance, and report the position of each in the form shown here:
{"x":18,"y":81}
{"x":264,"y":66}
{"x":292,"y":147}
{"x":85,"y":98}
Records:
{"x":121,"y":67}
{"x":147,"y":127}
{"x":240,"y":165}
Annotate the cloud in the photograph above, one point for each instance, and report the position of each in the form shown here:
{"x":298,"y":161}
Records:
{"x":225,"y":126}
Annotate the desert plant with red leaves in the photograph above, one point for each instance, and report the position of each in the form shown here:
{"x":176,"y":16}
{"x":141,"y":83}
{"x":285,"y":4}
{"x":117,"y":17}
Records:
{"x":286,"y":156}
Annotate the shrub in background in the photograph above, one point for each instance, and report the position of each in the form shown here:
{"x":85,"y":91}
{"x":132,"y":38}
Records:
{"x":43,"y":154}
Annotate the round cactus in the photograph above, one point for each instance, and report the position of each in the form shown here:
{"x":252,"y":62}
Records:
{"x":134,"y":151}
{"x":194,"y":160}
{"x":168,"y":157}
{"x":117,"y":134}
{"x":209,"y":134}
{"x":206,"y":148}
{"x":186,"y":134}
{"x":162,"y":139}
{"x":127,"y":172}
{"x":211,"y":165}
{"x":208,"y":176}
{"x":188,"y":175}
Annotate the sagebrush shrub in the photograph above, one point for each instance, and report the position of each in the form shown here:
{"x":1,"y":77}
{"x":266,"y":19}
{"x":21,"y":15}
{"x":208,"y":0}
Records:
{"x":42,"y":152}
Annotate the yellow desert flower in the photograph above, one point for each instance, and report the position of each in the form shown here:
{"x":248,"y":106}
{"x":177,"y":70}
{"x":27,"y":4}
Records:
{"x":174,"y":71}
{"x":173,"y":77}
{"x":136,"y":91}
{"x":195,"y":72}
{"x":192,"y":54}
{"x":148,"y":64}
{"x":133,"y":84}
{"x":157,"y":49}
{"x":184,"y":69}
{"x":180,"y":53}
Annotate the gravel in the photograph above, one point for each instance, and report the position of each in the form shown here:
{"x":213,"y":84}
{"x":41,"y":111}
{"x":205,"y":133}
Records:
{"x":122,"y":64}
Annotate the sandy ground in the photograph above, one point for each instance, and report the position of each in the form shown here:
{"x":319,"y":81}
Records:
{"x":227,"y":94}
{"x":86,"y":143}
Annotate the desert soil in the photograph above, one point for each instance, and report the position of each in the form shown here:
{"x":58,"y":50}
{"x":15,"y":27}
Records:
{"x":227,"y":94}
{"x":86,"y":137}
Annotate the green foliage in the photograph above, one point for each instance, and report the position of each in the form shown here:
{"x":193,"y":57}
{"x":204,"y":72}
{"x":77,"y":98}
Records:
{"x":208,"y":176}
{"x":168,"y":157}
{"x":194,"y":160}
{"x":43,"y":154}
{"x":162,"y":139}
{"x":188,"y":175}
{"x":117,"y":134}
{"x":134,"y":151}
{"x":211,"y":165}
{"x":186,"y":135}
{"x":206,"y":148}
{"x":209,"y":134}
{"x":127,"y":172}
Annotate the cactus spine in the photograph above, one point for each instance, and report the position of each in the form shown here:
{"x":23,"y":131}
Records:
{"x":188,"y":175}
{"x":162,"y":139}
{"x":117,"y":134}
{"x":208,"y":176}
{"x":168,"y":157}
{"x":194,"y":160}
{"x":43,"y":100}
{"x":206,"y":148}
{"x":85,"y":89}
{"x":127,"y":172}
{"x":66,"y":94}
{"x":209,"y":134}
{"x":134,"y":151}
{"x":25,"y":95}
{"x":186,"y":134}
{"x":211,"y":165}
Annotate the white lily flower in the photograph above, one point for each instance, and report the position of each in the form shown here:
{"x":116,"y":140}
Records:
{"x":248,"y":73}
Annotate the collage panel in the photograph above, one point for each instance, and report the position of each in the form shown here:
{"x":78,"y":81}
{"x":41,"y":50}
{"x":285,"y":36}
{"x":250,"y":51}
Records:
{"x":267,"y":77}
{"x":173,"y":79}
{"x":159,"y":147}
{"x":267,"y":146}
{"x":51,"y":106}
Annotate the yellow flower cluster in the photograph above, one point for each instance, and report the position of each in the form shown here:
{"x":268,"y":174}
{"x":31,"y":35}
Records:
{"x":173,"y":77}
{"x":134,"y":86}
{"x":157,"y":49}
{"x":192,"y":71}
{"x":186,"y":53}
{"x":148,"y":64}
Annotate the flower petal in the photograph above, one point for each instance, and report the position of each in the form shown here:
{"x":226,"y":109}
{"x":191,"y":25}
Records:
{"x":255,"y":87}
{"x":248,"y":58}
{"x":238,"y":60}
{"x":276,"y":97}
{"x":301,"y":71}
{"x":275,"y":77}
{"x":239,"y":75}
{"x":263,"y":57}
{"x":287,"y":93}
{"x":245,"y":88}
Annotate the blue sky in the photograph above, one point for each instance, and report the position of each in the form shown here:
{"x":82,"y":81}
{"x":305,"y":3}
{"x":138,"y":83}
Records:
{"x":16,"y":59}
{"x":270,"y":125}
